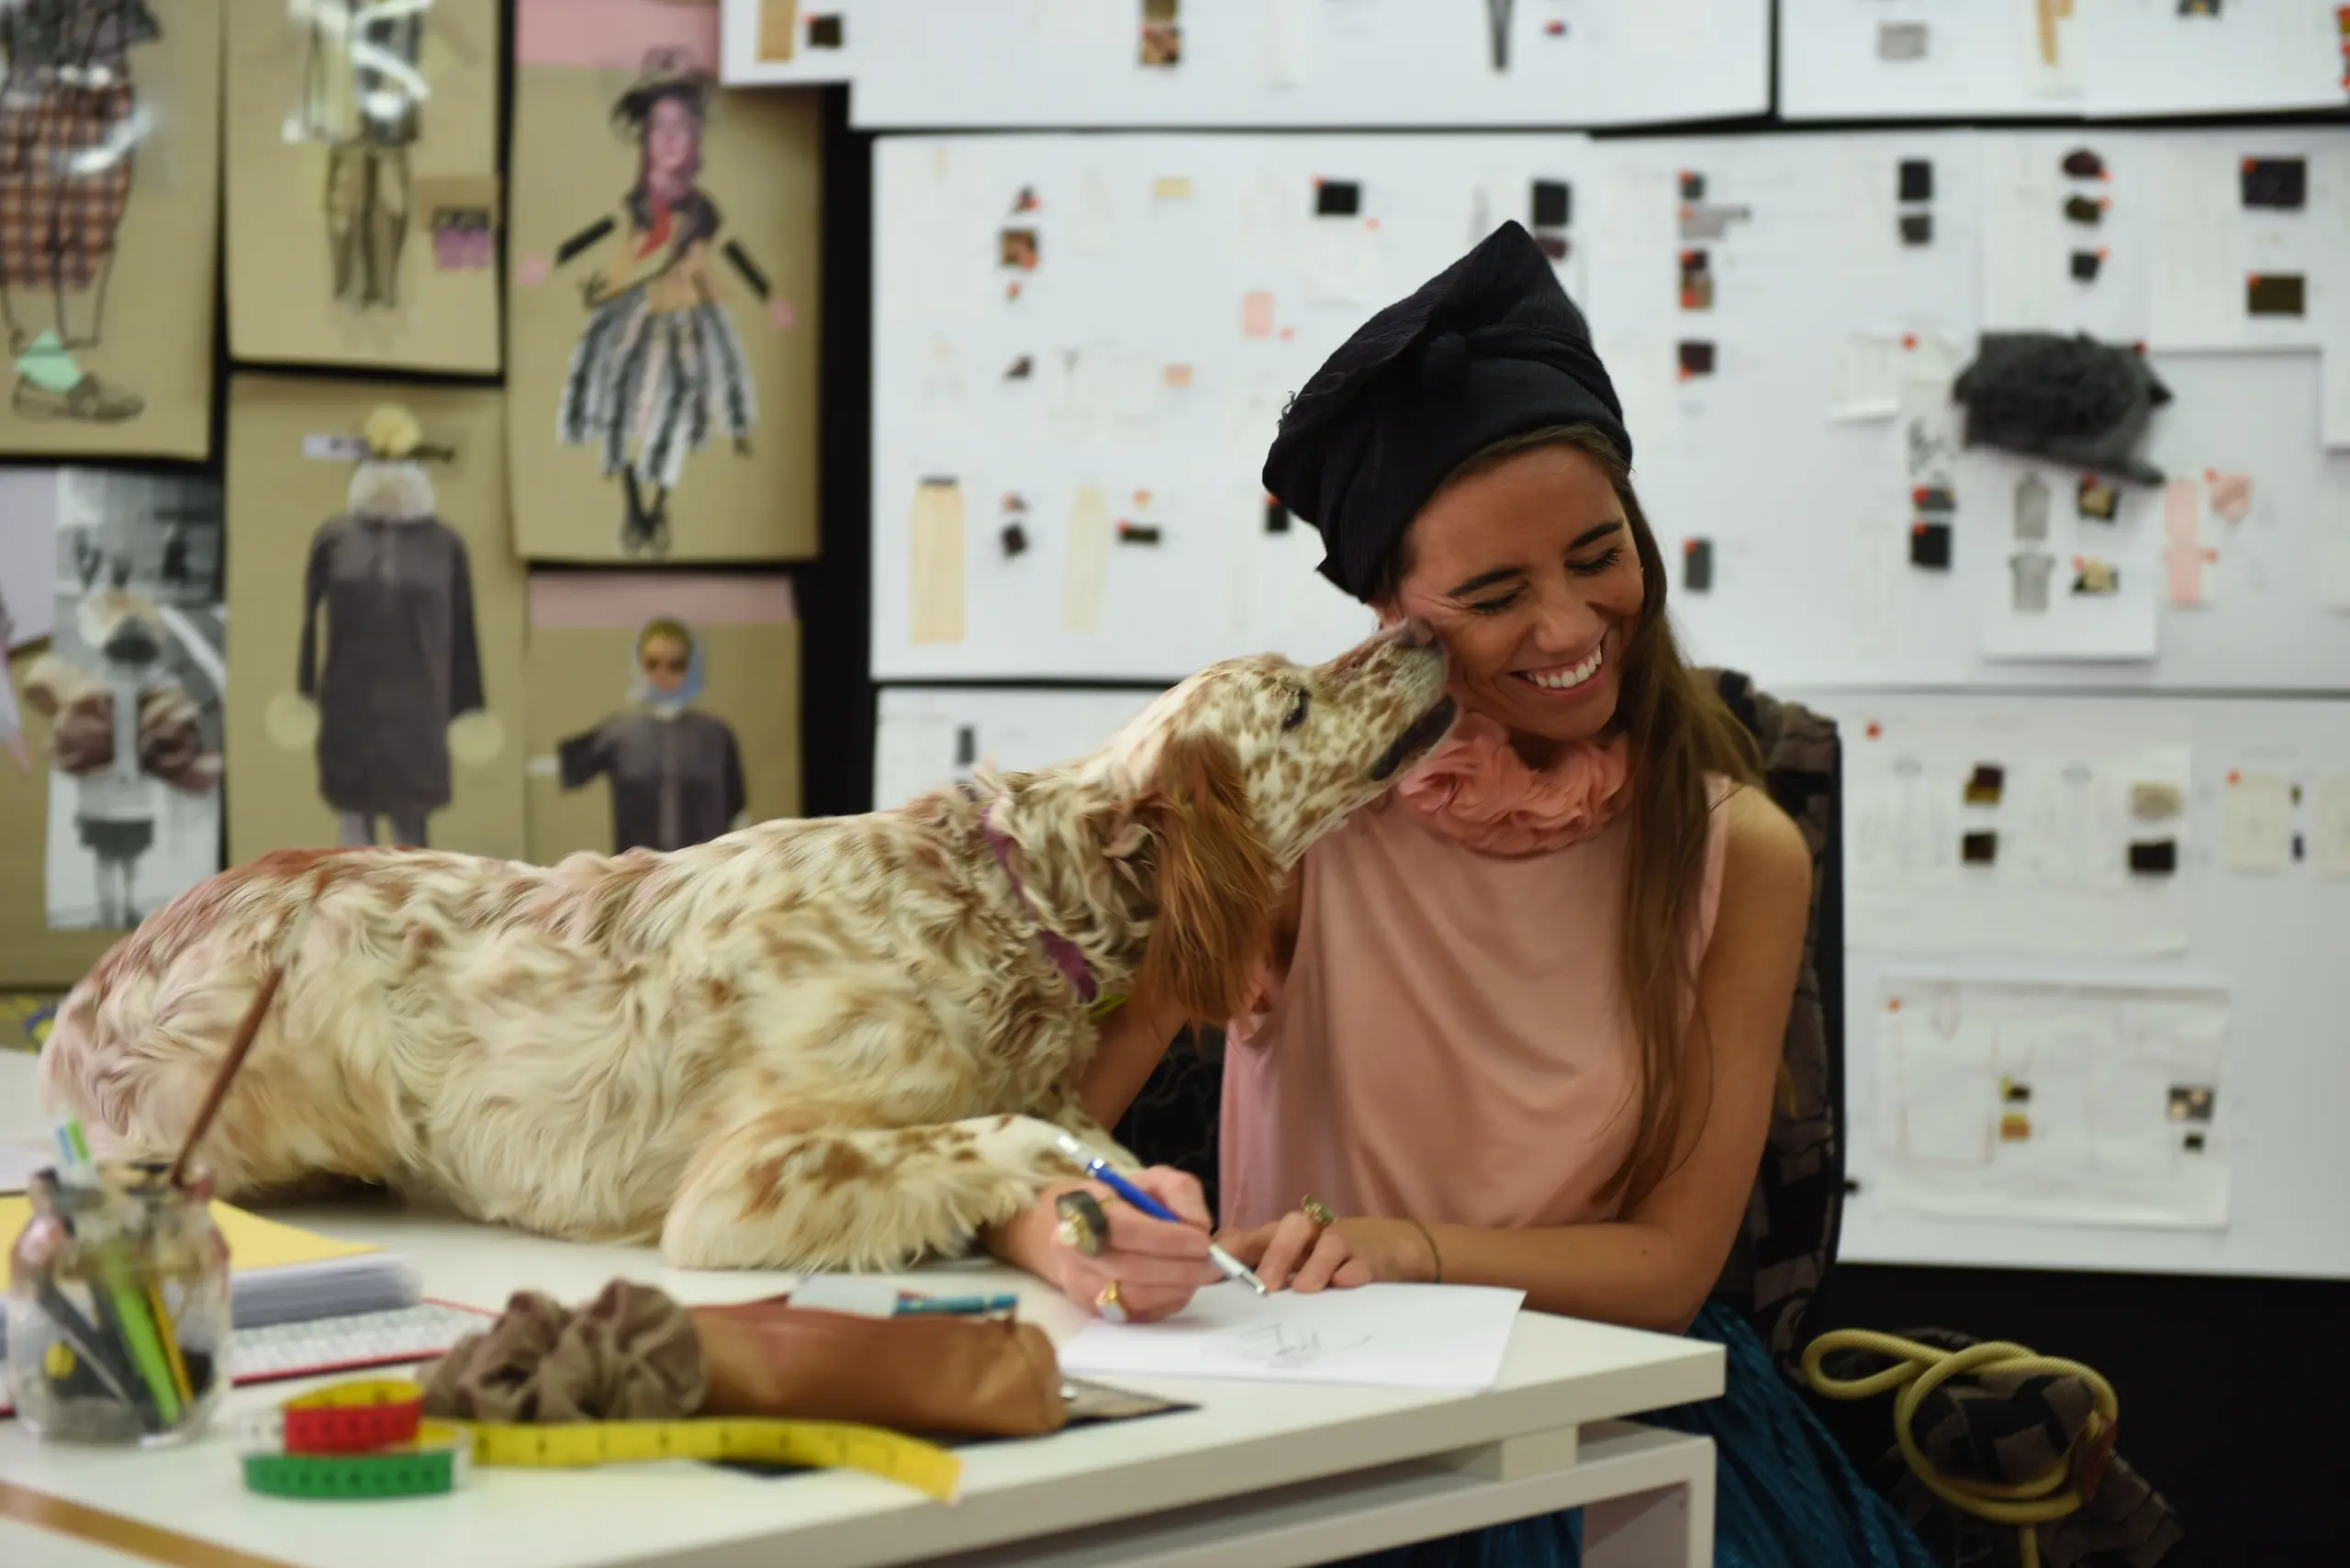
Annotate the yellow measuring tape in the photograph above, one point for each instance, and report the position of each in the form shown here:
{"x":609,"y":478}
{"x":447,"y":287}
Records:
{"x":833,"y":1445}
{"x":573,"y":1445}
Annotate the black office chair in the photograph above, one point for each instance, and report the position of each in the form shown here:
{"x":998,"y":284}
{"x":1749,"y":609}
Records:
{"x":1996,"y":1428}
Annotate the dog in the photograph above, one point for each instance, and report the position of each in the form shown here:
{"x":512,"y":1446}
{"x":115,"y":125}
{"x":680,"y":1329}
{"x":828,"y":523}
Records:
{"x":844,"y":1043}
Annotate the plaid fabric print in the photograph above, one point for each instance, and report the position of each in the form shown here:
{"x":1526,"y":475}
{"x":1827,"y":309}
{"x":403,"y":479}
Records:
{"x":57,"y":226}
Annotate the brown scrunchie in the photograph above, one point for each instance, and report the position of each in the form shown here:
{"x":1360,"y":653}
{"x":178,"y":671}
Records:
{"x":630,"y":1355}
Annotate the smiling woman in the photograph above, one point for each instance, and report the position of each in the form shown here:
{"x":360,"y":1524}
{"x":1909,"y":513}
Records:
{"x":1519,"y":1022}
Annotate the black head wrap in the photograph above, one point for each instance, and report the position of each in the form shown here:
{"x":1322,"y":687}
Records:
{"x":1490,"y":348}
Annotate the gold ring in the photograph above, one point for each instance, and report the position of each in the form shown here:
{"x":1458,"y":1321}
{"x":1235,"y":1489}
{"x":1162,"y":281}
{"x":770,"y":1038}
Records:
{"x":1083,"y":1227}
{"x":1317,"y":1211}
{"x":1108,"y":1304}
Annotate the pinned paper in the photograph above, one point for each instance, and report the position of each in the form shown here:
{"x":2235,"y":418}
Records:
{"x":1929,"y":545}
{"x":2231,"y":494}
{"x":2255,"y":823}
{"x":2280,"y":182}
{"x":1901,"y":40}
{"x":1697,"y":564}
{"x":1087,"y":564}
{"x":1172,"y":187}
{"x":2155,"y":800}
{"x":1697,"y":282}
{"x":935,"y":561}
{"x":2032,"y":508}
{"x":2275,"y":294}
{"x":2097,"y":498}
{"x":1162,"y":34}
{"x":1256,"y":314}
{"x":2182,"y":512}
{"x":2095,"y":578}
{"x":2330,"y":824}
{"x":2183,"y":568}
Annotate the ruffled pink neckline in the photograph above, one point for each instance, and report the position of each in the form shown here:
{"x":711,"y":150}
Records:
{"x":1476,"y":790}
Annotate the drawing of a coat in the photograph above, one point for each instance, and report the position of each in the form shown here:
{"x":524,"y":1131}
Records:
{"x":401,"y":660}
{"x":676,"y":781}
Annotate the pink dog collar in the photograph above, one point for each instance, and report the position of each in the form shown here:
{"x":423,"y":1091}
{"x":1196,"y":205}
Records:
{"x":1059,"y":949}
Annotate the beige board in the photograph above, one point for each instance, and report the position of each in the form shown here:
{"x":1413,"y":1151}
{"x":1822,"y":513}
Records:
{"x":284,"y":482}
{"x":572,"y":170}
{"x":31,"y":955}
{"x":110,"y":274}
{"x":332,"y":255}
{"x":579,"y":678}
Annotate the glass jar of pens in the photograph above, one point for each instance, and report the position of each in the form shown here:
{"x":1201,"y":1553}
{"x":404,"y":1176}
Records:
{"x":119,"y":1304}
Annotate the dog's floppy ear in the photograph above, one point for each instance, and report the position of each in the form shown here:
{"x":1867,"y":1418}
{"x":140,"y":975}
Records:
{"x":1216,"y":880}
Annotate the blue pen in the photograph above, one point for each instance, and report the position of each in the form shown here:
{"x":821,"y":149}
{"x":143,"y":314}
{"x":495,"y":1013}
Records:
{"x":1094,"y":1165}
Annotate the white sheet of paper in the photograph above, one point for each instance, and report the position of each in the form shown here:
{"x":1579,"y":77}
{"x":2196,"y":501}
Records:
{"x":1383,"y":1336}
{"x":2255,"y":824}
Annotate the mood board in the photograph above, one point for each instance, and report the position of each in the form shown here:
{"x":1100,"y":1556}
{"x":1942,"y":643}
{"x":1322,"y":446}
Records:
{"x":1995,"y":59}
{"x":1065,"y":483}
{"x":2093,"y":979}
{"x":988,"y":63}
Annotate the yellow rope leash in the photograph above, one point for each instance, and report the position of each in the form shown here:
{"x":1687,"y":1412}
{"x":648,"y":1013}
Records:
{"x":1918,"y":1370}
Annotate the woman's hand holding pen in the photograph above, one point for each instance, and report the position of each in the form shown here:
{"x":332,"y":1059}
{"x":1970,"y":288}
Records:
{"x":1155,"y":1265}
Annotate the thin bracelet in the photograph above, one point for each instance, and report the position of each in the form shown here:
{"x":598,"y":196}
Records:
{"x":1429,"y":1236}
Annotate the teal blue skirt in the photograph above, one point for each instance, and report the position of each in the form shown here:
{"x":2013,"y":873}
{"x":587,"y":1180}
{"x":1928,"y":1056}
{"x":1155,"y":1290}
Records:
{"x":1785,"y":1494}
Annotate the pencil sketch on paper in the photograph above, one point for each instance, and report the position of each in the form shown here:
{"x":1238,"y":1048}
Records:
{"x":1280,"y":1346}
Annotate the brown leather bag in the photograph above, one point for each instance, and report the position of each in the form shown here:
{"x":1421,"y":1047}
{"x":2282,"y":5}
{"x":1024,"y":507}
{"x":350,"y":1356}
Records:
{"x":973,"y":1376}
{"x":634,"y":1354}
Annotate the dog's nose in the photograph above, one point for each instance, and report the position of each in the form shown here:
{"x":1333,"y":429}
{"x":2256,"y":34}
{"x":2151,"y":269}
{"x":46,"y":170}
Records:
{"x":1415,"y":632}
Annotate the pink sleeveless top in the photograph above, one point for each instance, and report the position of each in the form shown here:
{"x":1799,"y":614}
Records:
{"x":1451,"y":1042}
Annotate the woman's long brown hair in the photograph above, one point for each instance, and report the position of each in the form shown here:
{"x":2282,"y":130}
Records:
{"x":1677,"y":731}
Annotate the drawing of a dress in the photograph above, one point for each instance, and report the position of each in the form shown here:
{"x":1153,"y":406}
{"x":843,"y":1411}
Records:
{"x":659,"y":370}
{"x":401,"y":660}
{"x":68,"y":120}
{"x":677,"y":774}
{"x":360,"y":89}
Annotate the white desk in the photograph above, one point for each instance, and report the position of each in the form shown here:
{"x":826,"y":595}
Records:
{"x":1259,"y":1476}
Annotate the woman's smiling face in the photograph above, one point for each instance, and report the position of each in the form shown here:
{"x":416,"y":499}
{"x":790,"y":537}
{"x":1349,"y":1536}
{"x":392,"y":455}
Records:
{"x":1528,"y":570}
